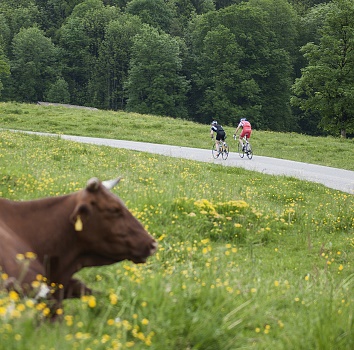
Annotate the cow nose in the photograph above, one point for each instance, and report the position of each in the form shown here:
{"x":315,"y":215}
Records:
{"x":153,"y":247}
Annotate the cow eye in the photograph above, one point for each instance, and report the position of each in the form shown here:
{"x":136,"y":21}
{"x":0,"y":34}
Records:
{"x":115,"y":211}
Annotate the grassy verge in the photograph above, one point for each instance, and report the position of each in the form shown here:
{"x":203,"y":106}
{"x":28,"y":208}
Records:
{"x":246,"y":260}
{"x":326,"y":151}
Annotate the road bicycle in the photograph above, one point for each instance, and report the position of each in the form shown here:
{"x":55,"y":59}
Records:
{"x":223,"y":150}
{"x":245,"y":149}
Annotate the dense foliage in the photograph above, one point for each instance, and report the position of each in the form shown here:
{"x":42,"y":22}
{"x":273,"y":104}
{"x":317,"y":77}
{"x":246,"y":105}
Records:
{"x":189,"y":59}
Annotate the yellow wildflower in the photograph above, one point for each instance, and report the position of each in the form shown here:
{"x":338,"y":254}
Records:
{"x":92,"y":302}
{"x":14,"y":295}
{"x":30,"y":255}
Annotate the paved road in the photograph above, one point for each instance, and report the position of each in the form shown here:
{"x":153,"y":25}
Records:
{"x":338,"y":179}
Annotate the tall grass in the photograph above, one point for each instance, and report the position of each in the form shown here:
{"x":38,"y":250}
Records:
{"x":327,"y":151}
{"x":245,"y":260}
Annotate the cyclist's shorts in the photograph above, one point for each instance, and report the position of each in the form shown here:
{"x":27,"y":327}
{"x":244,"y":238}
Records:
{"x":221,"y":136}
{"x":246,"y":133}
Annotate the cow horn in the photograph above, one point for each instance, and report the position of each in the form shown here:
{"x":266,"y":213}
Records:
{"x":109,"y":184}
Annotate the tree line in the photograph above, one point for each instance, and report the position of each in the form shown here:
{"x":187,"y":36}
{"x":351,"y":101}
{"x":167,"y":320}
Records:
{"x":286,"y":65}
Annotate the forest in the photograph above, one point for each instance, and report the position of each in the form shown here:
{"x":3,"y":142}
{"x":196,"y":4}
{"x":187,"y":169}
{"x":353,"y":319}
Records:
{"x":286,"y":65}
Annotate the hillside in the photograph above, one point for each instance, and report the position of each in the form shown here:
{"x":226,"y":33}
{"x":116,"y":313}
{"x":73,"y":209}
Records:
{"x":328,"y":151}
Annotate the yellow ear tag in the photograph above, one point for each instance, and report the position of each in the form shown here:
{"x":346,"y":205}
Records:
{"x":78,"y":224}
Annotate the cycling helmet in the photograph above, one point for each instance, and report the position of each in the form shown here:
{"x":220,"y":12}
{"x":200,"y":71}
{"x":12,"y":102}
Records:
{"x":214,"y":122}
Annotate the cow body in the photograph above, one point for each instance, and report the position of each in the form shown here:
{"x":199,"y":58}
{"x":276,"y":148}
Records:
{"x":91,"y":227}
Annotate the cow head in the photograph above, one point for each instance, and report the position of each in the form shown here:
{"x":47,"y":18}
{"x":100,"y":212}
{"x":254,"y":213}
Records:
{"x":108,"y":231}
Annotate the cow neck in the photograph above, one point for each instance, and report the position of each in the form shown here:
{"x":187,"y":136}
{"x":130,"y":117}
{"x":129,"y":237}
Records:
{"x":45,"y":223}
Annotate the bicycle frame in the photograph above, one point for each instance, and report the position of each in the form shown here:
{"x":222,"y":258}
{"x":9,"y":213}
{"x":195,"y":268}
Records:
{"x":223,"y":149}
{"x":245,"y":140}
{"x":245,"y":148}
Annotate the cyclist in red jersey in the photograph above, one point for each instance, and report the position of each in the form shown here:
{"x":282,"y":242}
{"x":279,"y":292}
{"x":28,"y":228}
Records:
{"x":246,"y":130}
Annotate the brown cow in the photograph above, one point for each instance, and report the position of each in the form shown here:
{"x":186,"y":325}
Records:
{"x":91,"y":227}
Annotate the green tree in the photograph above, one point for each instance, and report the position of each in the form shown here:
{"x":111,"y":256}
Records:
{"x":282,"y":21}
{"x":81,"y":37}
{"x":53,"y":13}
{"x":4,"y":66}
{"x":5,"y":33}
{"x":275,"y":85}
{"x":113,"y":62}
{"x":327,"y":82}
{"x":227,"y":89}
{"x":155,"y":84}
{"x":184,"y":11}
{"x":225,"y":3}
{"x":58,"y":92}
{"x":19,"y":14}
{"x":203,"y":6}
{"x":34,"y":65}
{"x":76,"y":58}
{"x":157,"y":13}
{"x":239,"y":67}
{"x":303,"y":6}
{"x":309,"y":28}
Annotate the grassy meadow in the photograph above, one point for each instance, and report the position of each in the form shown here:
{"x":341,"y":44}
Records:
{"x":245,"y":260}
{"x":328,"y":151}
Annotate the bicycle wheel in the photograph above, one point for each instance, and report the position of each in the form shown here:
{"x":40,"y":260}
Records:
{"x":249,"y":152}
{"x":225,"y":152}
{"x":241,"y":152}
{"x":214,"y":151}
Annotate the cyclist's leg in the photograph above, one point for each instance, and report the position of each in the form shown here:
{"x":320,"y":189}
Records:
{"x":223,"y":138}
{"x":248,"y":136}
{"x":240,"y":141}
{"x":222,"y":142}
{"x":218,"y":143}
{"x":241,"y":138}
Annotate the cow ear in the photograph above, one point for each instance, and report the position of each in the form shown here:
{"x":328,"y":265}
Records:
{"x":109,"y":184}
{"x":76,"y":217}
{"x":93,"y":184}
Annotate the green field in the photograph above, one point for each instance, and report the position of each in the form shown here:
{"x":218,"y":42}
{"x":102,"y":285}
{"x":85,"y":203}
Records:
{"x":245,"y":260}
{"x":328,"y":151}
